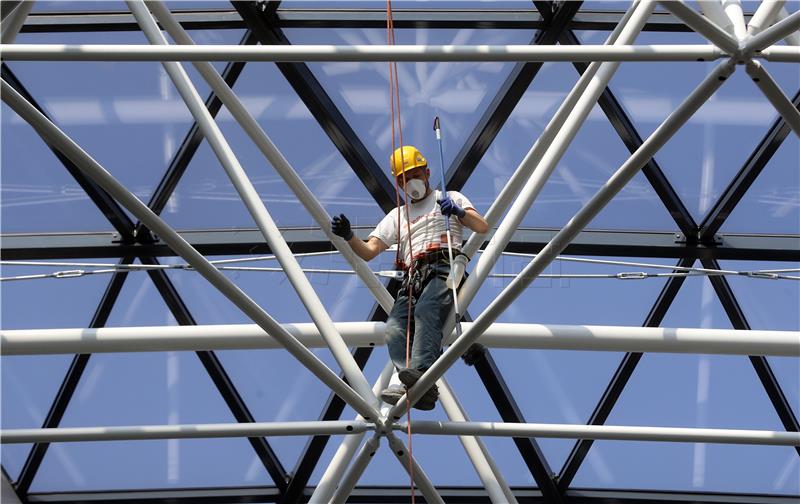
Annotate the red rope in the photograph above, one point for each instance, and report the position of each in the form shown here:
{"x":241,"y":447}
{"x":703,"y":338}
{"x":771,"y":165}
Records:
{"x":394,"y":98}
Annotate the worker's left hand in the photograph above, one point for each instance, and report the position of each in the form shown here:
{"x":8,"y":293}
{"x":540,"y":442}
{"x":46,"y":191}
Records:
{"x":450,"y":207}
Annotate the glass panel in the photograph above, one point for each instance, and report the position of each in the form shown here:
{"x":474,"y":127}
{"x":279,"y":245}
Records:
{"x":205,"y":197}
{"x":256,"y":372}
{"x":595,"y":153}
{"x":770,"y":205}
{"x":30,"y":383}
{"x":457,"y":92}
{"x":544,"y":382}
{"x":146,"y":389}
{"x":692,"y":391}
{"x":704,"y":155}
{"x":125,"y":115}
{"x":38,"y":193}
{"x":68,"y":6}
{"x":771,"y":305}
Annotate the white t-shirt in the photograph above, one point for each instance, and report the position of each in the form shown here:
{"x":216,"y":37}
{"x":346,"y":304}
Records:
{"x":428,"y":231}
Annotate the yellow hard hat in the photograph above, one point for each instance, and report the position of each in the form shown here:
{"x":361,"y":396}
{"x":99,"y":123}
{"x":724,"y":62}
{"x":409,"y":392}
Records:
{"x":406,"y":158}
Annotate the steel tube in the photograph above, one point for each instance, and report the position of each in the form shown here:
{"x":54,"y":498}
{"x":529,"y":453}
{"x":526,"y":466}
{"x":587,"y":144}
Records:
{"x":181,"y":431}
{"x":793,"y":38}
{"x":334,"y":473}
{"x":54,"y":136}
{"x":712,"y":9}
{"x":14,"y":21}
{"x":733,"y":9}
{"x":780,"y":54}
{"x":617,"y":181}
{"x":541,"y":160}
{"x":358,"y":53}
{"x":255,"y":206}
{"x":529,"y":162}
{"x":703,"y":26}
{"x":350,"y":480}
{"x":490,"y":475}
{"x":274,"y":156}
{"x":786,"y":27}
{"x":763,"y":17}
{"x":775,"y":95}
{"x":421,"y":479}
{"x":370,"y":334}
{"x":615,"y":432}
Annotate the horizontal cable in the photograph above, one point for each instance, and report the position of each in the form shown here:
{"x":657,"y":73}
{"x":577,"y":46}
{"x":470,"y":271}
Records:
{"x":678,"y":271}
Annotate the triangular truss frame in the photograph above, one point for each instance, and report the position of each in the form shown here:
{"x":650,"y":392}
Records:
{"x":263,"y":21}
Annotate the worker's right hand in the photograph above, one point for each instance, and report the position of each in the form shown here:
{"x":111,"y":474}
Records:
{"x":340,"y":226}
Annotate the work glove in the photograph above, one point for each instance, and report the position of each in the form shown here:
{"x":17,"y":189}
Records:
{"x":450,"y":207}
{"x":340,"y":226}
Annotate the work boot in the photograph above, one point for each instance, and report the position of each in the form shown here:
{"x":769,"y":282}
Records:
{"x":392,"y":394}
{"x":409,"y":377}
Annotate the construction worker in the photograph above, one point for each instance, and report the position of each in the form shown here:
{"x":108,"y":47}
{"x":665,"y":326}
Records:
{"x":425,"y":264}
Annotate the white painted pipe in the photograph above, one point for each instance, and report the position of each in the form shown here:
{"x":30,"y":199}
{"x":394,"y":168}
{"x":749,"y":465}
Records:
{"x":792,"y":38}
{"x":310,"y":53}
{"x":348,"y":483}
{"x":182,"y":431}
{"x":490,"y":475}
{"x":568,"y":233}
{"x":712,"y":9}
{"x":766,"y":13}
{"x":703,"y":26}
{"x":334,"y":474}
{"x":611,"y":432}
{"x":733,"y":9}
{"x":540,"y":161}
{"x":255,"y":206}
{"x":775,"y":95}
{"x":421,"y":480}
{"x":780,"y":30}
{"x":13,"y":23}
{"x":780,"y":54}
{"x":51,"y":134}
{"x":365,"y":334}
{"x":274,"y":156}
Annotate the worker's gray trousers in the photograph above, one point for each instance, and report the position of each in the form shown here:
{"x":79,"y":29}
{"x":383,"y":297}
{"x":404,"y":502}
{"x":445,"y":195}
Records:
{"x":428,"y":313}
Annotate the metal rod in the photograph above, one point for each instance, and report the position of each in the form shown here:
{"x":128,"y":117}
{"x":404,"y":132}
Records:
{"x":491,"y":476}
{"x":703,"y":26}
{"x":733,"y":10}
{"x":793,"y":38}
{"x":421,"y":479}
{"x":370,"y":334}
{"x":616,"y":432}
{"x":350,"y":480}
{"x":766,"y":13}
{"x":52,"y":134}
{"x":13,"y":23}
{"x":255,"y":206}
{"x":334,"y":473}
{"x":273,"y":155}
{"x":358,"y":53}
{"x":577,"y":223}
{"x":183,"y":431}
{"x":774,"y":94}
{"x":537,"y":166}
{"x":781,"y":54}
{"x":782,"y":29}
{"x":712,"y":9}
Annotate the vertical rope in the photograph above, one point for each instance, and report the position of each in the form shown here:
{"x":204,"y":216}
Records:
{"x":394,"y":98}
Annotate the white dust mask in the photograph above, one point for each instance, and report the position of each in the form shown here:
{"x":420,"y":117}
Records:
{"x":415,"y":188}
